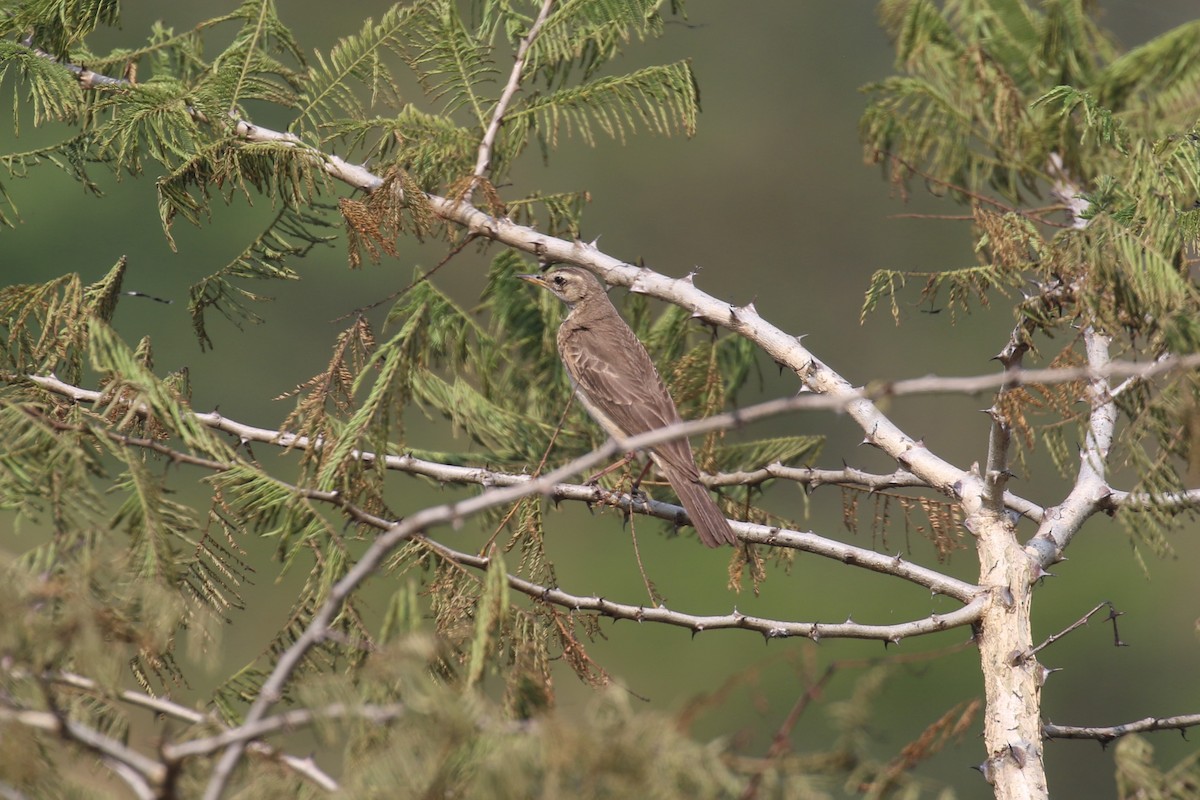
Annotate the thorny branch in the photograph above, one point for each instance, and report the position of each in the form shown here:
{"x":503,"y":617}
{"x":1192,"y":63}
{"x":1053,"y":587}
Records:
{"x":524,"y":485}
{"x":1107,"y":734}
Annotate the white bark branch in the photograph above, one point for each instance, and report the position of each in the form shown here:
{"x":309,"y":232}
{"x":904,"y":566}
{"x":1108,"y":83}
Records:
{"x":140,"y":773}
{"x":305,"y":767}
{"x":1090,"y":490}
{"x":483,"y":159}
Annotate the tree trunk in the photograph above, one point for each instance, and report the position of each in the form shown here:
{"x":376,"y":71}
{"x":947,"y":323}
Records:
{"x":1012,"y":676}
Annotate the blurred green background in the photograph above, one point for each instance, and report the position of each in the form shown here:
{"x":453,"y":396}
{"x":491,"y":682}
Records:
{"x":772,"y":201}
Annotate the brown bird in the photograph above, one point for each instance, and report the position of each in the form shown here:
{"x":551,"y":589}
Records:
{"x":617,"y":383}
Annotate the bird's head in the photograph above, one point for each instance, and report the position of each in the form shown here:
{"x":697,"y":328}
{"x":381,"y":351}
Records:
{"x":572,"y":285}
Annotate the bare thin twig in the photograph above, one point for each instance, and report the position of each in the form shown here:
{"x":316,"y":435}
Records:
{"x":287,"y":721}
{"x":1109,"y":733}
{"x":1112,"y":617}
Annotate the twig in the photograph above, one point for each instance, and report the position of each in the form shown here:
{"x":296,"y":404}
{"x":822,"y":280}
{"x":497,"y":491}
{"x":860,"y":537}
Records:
{"x":519,"y":486}
{"x":781,"y":742}
{"x":536,"y":471}
{"x":140,"y":772}
{"x":424,"y":276}
{"x":483,"y":160}
{"x":287,"y":721}
{"x":1112,"y":617}
{"x":1107,"y":734}
{"x":305,"y":767}
{"x":641,"y":565}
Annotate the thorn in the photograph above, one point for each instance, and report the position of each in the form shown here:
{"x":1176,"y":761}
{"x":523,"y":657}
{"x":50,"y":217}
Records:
{"x":592,"y":243}
{"x":992,"y":412}
{"x":1043,"y":573}
{"x":1047,"y":672}
{"x":1018,"y":755}
{"x":985,"y":769}
{"x":749,"y":308}
{"x":690,"y":278}
{"x":638,"y":286}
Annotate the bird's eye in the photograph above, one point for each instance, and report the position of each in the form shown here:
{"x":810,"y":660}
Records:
{"x":559,"y":280}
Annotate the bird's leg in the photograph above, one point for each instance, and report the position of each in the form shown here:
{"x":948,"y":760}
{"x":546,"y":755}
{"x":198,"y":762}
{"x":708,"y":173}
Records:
{"x":616,"y":465}
{"x":636,"y":486}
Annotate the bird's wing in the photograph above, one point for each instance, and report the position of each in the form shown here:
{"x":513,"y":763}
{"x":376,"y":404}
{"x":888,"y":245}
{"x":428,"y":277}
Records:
{"x":613,"y":371}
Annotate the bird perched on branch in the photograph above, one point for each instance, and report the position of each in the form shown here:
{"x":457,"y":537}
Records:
{"x":617,"y":383}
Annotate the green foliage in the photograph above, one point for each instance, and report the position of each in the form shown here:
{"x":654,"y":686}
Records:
{"x":289,"y":237}
{"x":58,"y":25}
{"x":1137,"y":775}
{"x":54,"y":94}
{"x":993,"y":95}
{"x":1004,"y":102}
{"x":328,"y":92}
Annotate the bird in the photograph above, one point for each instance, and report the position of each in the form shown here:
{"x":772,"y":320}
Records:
{"x":616,"y":381}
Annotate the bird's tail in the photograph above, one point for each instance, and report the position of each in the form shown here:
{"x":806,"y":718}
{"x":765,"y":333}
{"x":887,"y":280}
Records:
{"x":707,"y":518}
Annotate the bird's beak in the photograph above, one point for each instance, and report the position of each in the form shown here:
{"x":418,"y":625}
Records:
{"x":535,"y":279}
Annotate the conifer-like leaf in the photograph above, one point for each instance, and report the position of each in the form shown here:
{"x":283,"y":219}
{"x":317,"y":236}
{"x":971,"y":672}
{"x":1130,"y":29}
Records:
{"x":289,"y":236}
{"x":59,"y":25}
{"x":54,"y":93}
{"x":1162,"y":75}
{"x":328,"y":91}
{"x":763,"y":452}
{"x":243,"y":71}
{"x":662,"y":99}
{"x":453,"y":63}
{"x":586,"y":34}
{"x":149,"y":119}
